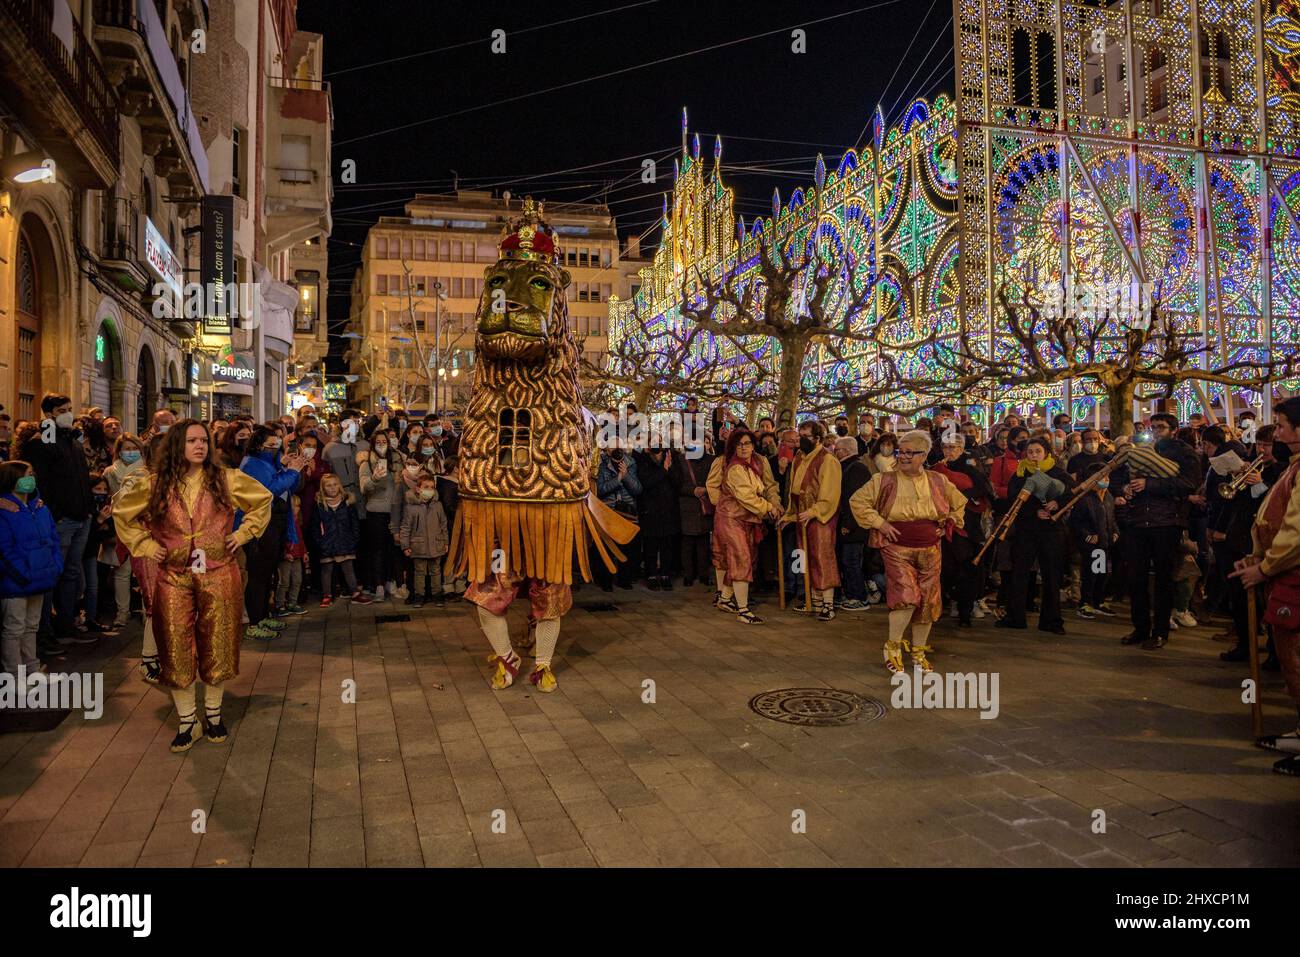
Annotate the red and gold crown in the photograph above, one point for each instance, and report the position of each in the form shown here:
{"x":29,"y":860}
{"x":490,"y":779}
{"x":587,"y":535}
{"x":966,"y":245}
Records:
{"x":531,"y":237}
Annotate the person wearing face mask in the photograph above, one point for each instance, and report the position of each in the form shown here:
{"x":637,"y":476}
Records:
{"x":64,"y":480}
{"x":380,"y":477}
{"x":282,"y":477}
{"x":101,"y":536}
{"x":411,"y":439}
{"x":1096,"y":532}
{"x":1091,"y":453}
{"x":342,"y":457}
{"x":162,"y":420}
{"x":128,"y":459}
{"x":314,"y":468}
{"x":424,"y":540}
{"x":814,"y":504}
{"x":1036,"y":539}
{"x":961,"y":581}
{"x":233,"y":445}
{"x":31,"y":561}
{"x":841,"y":426}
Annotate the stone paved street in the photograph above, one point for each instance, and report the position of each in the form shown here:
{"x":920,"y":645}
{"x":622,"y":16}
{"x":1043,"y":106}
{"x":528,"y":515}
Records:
{"x":411,"y":773}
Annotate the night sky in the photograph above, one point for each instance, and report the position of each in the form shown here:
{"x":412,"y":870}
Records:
{"x":754,"y":92}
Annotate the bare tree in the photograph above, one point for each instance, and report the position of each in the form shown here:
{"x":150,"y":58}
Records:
{"x":1030,"y":345}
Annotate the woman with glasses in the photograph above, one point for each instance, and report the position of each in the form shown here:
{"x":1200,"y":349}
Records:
{"x":744,"y":493}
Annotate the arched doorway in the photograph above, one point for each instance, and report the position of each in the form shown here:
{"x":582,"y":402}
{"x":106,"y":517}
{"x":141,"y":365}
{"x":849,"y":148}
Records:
{"x":108,"y":369}
{"x":146,"y":378}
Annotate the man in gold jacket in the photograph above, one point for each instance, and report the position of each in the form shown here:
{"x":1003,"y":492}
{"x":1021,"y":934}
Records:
{"x":909,"y":511}
{"x":815,"y":504}
{"x":1275,"y":564}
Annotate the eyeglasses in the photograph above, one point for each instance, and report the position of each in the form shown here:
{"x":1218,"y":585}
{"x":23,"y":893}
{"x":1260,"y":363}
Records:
{"x":908,"y":453}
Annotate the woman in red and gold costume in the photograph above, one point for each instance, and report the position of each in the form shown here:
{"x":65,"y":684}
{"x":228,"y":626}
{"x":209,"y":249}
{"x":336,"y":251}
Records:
{"x":182,"y":517}
{"x":744,"y":493}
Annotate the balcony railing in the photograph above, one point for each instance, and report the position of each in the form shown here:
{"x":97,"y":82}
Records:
{"x":80,"y":74}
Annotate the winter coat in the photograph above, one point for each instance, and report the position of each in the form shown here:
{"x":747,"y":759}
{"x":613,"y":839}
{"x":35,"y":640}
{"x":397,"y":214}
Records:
{"x":618,"y":494}
{"x":1028,"y":524}
{"x":1163,"y":503}
{"x":424,"y":527}
{"x":62,"y":477}
{"x":276,"y":479}
{"x":1002,"y":471}
{"x":449,"y":495}
{"x":335,"y":531}
{"x":657,"y":506}
{"x":1094,"y":515}
{"x":855,"y":475}
{"x":312,"y":473}
{"x":31,"y":556}
{"x":688,"y":474}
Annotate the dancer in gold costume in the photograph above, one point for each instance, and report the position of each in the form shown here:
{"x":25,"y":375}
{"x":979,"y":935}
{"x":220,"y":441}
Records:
{"x":182,"y":517}
{"x":527,"y":510}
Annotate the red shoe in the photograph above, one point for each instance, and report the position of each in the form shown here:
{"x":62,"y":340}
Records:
{"x":361,"y":598}
{"x":326,"y":601}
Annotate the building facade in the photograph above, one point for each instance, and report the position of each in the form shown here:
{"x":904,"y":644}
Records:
{"x":414,"y":297}
{"x":117,"y":119}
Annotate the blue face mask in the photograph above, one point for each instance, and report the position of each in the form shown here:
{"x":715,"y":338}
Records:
{"x":427,"y":451}
{"x":130,"y":456}
{"x":26,"y":485}
{"x":436,"y":430}
{"x":162,"y":429}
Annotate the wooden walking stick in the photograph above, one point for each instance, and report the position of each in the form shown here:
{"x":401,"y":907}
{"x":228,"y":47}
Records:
{"x":780,"y":564}
{"x":1252,"y":643}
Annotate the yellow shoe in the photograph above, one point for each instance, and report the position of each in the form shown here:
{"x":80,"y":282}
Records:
{"x":504,"y":675}
{"x":894,"y":661}
{"x":544,"y":679}
{"x":919,"y":660}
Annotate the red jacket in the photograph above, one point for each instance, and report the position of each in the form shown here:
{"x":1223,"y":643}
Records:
{"x":1001,"y":470}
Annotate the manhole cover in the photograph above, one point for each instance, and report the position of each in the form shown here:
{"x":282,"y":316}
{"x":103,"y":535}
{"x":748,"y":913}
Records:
{"x":816,"y":706}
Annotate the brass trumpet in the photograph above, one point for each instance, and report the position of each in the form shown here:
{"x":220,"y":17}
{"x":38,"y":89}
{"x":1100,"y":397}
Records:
{"x":1229,"y":490}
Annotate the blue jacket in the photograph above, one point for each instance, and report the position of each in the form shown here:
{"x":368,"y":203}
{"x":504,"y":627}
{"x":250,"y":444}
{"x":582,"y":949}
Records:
{"x":280,"y":481}
{"x":335,"y":531}
{"x":31,"y":556}
{"x":614,"y":491}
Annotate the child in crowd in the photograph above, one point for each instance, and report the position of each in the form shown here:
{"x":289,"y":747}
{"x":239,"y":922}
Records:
{"x":1186,"y":575}
{"x":101,"y":533}
{"x":31,"y":561}
{"x":336,"y":530}
{"x":424,"y":541}
{"x":291,"y":567}
{"x":1095,"y":533}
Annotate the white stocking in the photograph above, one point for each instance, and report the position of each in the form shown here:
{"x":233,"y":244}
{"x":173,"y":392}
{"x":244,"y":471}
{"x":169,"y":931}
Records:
{"x":548,"y":633}
{"x":921,"y":635}
{"x":497,"y":630}
{"x":898,"y":621}
{"x":212,"y":702}
{"x":150,"y":647}
{"x":184,"y":699}
{"x":828,"y":596}
{"x":742,"y":594}
{"x":722,"y":586}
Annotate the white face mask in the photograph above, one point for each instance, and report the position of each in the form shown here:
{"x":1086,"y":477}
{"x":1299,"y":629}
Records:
{"x":426,"y":494}
{"x":308,"y":453}
{"x":1090,"y":447}
{"x":381,"y":447}
{"x":64,"y":421}
{"x":413,"y":467}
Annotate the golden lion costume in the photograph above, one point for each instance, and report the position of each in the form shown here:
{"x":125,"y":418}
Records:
{"x":527,"y":509}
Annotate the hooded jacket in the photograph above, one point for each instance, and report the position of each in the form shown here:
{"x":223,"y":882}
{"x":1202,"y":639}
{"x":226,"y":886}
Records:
{"x":424,"y":527}
{"x":31,"y":557}
{"x":279,"y":481}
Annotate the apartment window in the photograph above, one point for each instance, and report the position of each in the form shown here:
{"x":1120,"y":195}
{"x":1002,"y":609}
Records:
{"x":457,"y":251}
{"x":606,"y":258}
{"x":417,"y":249}
{"x":487,"y":253}
{"x":237,"y":137}
{"x":455,"y":287}
{"x":606,"y":290}
{"x":418,"y":285}
{"x":381,"y":247}
{"x":393,"y":357}
{"x":595,"y":326}
{"x":406,"y":249}
{"x":295,"y":158}
{"x":381,"y":285}
{"x":444,"y":250}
